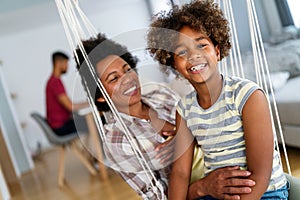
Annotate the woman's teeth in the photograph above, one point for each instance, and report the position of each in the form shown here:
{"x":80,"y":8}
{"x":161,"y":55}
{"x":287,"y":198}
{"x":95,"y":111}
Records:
{"x":130,"y":90}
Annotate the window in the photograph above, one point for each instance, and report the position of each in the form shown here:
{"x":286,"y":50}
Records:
{"x":159,"y":5}
{"x":284,"y":13}
{"x":156,"y":6}
{"x":294,"y":6}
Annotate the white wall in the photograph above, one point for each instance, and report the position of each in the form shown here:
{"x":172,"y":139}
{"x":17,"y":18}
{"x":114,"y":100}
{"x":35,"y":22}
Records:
{"x":26,"y":53}
{"x":12,"y":132}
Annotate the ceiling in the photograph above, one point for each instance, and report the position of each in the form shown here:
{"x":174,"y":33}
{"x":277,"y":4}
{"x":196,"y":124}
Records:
{"x":18,"y":15}
{"x":14,"y":5}
{"x":23,"y":15}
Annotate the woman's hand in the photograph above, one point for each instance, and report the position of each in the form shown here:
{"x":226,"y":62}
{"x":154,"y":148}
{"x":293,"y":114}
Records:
{"x":222,"y":183}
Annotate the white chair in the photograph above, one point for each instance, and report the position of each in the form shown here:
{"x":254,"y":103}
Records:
{"x":63,"y":142}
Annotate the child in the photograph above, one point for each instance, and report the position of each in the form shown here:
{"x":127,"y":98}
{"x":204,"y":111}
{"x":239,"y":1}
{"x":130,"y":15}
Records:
{"x":228,"y":117}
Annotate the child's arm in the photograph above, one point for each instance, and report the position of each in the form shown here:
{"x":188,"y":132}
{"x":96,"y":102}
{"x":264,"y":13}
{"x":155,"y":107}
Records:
{"x":259,"y":142}
{"x":181,"y":168}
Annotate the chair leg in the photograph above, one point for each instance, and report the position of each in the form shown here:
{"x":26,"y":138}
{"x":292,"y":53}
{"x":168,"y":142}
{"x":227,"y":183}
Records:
{"x":102,"y":167}
{"x":61,"y":169}
{"x":82,"y":158}
{"x":95,"y":137}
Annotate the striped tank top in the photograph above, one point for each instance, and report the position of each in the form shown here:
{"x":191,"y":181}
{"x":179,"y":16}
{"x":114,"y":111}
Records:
{"x":219,"y":129}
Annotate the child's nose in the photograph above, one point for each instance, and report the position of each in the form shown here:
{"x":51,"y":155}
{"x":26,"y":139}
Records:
{"x":194,"y":56}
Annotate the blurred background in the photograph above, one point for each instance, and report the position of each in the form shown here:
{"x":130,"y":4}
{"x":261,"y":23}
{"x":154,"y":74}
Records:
{"x":30,"y":30}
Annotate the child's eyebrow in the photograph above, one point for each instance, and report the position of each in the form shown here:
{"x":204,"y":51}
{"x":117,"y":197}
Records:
{"x":200,"y":38}
{"x":177,"y":46}
{"x":195,"y":39}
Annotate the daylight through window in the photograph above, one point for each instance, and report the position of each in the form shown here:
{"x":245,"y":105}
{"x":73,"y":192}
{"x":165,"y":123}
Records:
{"x":294,"y":6}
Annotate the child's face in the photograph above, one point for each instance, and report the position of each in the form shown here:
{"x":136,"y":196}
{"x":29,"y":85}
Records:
{"x":120,"y":81}
{"x":196,"y":57}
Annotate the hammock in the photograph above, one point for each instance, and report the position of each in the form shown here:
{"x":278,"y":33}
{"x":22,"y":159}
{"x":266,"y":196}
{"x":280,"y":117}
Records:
{"x":77,"y":28}
{"x":76,"y":31}
{"x":261,"y":67}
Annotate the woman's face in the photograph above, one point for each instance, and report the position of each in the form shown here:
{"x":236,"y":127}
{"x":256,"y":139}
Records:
{"x":196,"y":57}
{"x":120,"y":81}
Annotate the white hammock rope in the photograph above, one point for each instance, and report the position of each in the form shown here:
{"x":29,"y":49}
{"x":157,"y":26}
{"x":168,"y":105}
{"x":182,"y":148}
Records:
{"x":96,"y":115}
{"x":266,"y":72}
{"x":236,"y":45}
{"x":260,"y":65}
{"x":72,"y":25}
{"x":236,"y":65}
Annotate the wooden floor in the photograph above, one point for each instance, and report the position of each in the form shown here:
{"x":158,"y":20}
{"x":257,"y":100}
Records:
{"x":294,"y":160}
{"x":41,"y":183}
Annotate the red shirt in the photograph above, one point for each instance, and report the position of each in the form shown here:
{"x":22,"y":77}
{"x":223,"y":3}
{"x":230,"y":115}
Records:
{"x":57,"y":114}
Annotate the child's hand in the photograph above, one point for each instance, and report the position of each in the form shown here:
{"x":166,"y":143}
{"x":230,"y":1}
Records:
{"x":168,"y":133}
{"x":165,"y":151}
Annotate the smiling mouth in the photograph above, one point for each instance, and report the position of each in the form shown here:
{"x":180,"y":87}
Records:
{"x":197,"y":68}
{"x":131,"y":90}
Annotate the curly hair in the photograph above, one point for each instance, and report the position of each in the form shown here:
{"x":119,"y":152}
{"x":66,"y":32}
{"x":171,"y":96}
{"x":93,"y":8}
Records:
{"x":201,"y":15}
{"x":98,"y":48}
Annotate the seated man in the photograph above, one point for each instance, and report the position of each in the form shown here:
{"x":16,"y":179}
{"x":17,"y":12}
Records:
{"x":59,"y":106}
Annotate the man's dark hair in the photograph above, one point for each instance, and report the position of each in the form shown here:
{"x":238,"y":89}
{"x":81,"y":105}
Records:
{"x":98,"y":48}
{"x":59,"y":56}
